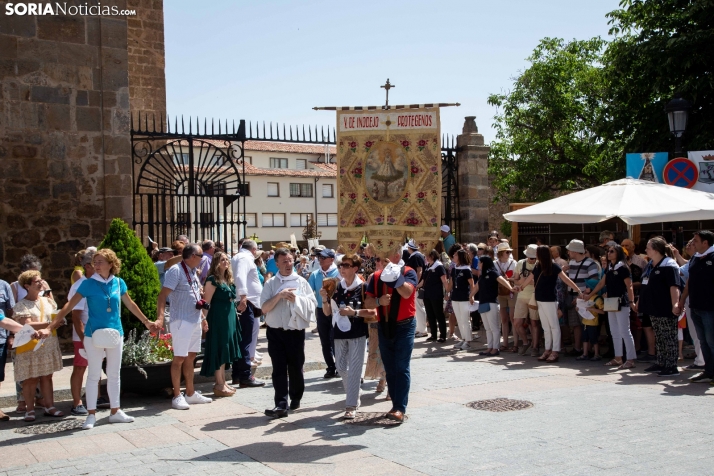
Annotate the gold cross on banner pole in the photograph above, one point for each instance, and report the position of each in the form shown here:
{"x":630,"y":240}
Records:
{"x":387,"y":86}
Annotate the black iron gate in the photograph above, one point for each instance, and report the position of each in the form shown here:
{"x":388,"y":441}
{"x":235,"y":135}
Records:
{"x":188,"y":182}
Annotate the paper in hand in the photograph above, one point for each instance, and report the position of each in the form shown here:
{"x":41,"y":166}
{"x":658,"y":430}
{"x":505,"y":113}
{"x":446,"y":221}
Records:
{"x":24,"y":336}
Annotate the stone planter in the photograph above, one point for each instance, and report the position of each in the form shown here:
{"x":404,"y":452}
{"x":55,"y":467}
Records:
{"x":156,"y":380}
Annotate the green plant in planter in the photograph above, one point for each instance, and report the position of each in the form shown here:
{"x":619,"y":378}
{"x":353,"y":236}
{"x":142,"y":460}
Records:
{"x":147,"y":349}
{"x":137,"y":270}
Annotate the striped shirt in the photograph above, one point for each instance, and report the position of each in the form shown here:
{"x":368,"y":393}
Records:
{"x":581,"y":271}
{"x":183,"y":298}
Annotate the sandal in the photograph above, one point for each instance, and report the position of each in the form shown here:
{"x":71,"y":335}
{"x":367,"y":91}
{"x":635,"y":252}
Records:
{"x":582,"y":357}
{"x":545,"y":356}
{"x":627,"y":365}
{"x":21,"y":407}
{"x":552,"y":358}
{"x":613,"y":363}
{"x":30,"y":416}
{"x":380,"y":387}
{"x":55,"y":413}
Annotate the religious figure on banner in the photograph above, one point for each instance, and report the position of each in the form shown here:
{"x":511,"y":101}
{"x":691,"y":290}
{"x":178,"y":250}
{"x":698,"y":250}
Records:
{"x":386,"y":172}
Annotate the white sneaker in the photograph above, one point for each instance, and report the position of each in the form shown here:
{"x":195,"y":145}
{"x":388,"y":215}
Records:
{"x":459,"y":344}
{"x":197,"y":398}
{"x":465,"y":346}
{"x":89,"y":422}
{"x":120,"y":417}
{"x":179,"y":403}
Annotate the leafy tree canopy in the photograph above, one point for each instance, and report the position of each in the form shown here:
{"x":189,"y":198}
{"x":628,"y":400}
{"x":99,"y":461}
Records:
{"x":571,"y":116}
{"x":547,"y":138}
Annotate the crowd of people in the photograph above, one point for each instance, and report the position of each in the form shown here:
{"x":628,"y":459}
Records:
{"x":368,"y":308}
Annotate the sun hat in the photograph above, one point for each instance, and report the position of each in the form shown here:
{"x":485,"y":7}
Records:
{"x":531,"y":251}
{"x":412,"y":245}
{"x":576,"y":245}
{"x":503,"y":247}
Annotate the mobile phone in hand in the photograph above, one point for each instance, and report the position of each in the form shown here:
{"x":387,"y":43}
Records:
{"x":46,"y":292}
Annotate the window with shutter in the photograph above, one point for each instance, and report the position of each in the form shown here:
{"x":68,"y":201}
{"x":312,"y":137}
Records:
{"x":301,"y":164}
{"x":327,"y":190}
{"x":273,"y":189}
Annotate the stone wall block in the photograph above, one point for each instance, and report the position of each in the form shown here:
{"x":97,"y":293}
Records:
{"x":58,"y":95}
{"x":79,"y":230}
{"x":18,"y":25}
{"x":8,"y":47}
{"x":78,"y":55}
{"x":57,"y":117}
{"x":52,"y":236}
{"x":61,"y":28}
{"x":38,"y":50}
{"x":67,"y":190}
{"x":25,"y":239}
{"x":88,"y":119}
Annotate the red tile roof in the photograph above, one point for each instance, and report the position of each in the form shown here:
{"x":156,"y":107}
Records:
{"x":322,"y":172}
{"x":275,"y":147}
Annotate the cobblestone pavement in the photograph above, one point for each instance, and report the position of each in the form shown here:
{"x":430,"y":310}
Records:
{"x":584,"y":420}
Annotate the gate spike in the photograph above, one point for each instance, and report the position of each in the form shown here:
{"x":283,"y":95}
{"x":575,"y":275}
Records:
{"x":131,"y":115}
{"x":212,"y":130}
{"x":183,"y":126}
{"x":322,"y":132}
{"x":284,"y":136}
{"x":226,"y":125}
{"x":271,"y":130}
{"x":291,"y":132}
{"x":234,"y":127}
{"x":250,"y":129}
{"x":205,"y":129}
{"x":263,"y":129}
{"x":162,"y":121}
{"x":303,"y":133}
{"x":153,"y":121}
{"x":334,"y":135}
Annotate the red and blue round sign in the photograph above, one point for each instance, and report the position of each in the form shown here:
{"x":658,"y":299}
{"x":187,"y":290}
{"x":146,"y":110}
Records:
{"x":680,"y":172}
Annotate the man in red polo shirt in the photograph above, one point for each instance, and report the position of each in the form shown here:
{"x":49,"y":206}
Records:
{"x":395,"y":312}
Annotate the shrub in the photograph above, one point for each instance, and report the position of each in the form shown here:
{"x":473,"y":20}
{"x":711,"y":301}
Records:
{"x":137,"y":270}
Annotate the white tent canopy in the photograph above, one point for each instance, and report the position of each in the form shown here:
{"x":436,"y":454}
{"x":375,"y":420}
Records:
{"x":634,"y":201}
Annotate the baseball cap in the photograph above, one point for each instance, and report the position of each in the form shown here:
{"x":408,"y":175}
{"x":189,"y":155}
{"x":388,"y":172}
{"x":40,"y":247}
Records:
{"x":327,"y":253}
{"x":165,"y":250}
{"x":445,"y":228}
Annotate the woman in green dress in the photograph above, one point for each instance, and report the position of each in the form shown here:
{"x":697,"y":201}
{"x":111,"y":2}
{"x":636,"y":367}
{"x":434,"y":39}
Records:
{"x":222,"y":341}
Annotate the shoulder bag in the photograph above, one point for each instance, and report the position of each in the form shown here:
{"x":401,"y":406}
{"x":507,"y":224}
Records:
{"x":30,"y":346}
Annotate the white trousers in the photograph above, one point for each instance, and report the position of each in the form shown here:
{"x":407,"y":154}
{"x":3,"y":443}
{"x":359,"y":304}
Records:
{"x":492,"y":324}
{"x":699,"y":359}
{"x":95,"y":356}
{"x":463,"y":318}
{"x":620,"y":328}
{"x":420,"y":316}
{"x":548,"y":312}
{"x":254,"y":341}
{"x":349,"y":358}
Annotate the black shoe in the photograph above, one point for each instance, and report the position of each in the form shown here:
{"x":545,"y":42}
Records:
{"x":702,"y":378}
{"x":431,"y":339}
{"x":295,"y":404}
{"x":330,"y":374}
{"x":575,"y":352}
{"x":103,"y":402}
{"x":253,"y":382}
{"x":277,"y":412}
{"x":654,"y":368}
{"x":669,"y":372}
{"x":441,"y":340}
{"x":694,"y":367}
{"x":647,"y":358}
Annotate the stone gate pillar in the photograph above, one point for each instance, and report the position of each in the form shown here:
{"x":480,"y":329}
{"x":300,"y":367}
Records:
{"x":474,"y":191}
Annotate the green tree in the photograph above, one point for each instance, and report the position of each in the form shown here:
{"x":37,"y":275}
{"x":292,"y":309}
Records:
{"x":137,"y":270}
{"x":660,"y":47}
{"x":547,"y":125}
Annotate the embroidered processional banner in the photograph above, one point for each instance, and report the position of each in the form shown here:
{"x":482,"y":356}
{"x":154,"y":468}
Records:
{"x":389,"y":181}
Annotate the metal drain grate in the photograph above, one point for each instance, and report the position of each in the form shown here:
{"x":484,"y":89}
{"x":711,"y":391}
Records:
{"x":500,"y":405}
{"x":49,"y":428}
{"x":373,"y":419}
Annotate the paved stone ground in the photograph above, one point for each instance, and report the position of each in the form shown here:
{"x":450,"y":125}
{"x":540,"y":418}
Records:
{"x":585,"y":420}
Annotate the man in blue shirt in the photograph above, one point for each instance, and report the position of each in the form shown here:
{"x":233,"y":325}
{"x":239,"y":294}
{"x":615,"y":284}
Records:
{"x":327,"y":269}
{"x":7,"y":302}
{"x":449,"y":239}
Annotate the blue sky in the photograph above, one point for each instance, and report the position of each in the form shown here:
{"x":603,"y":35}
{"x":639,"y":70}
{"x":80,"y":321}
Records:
{"x":275,"y":60}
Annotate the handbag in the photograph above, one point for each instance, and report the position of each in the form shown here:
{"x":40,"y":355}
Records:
{"x":30,"y":346}
{"x":420,"y":293}
{"x":484,"y":307}
{"x":106,"y":338}
{"x":611,"y":304}
{"x":532,"y":303}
